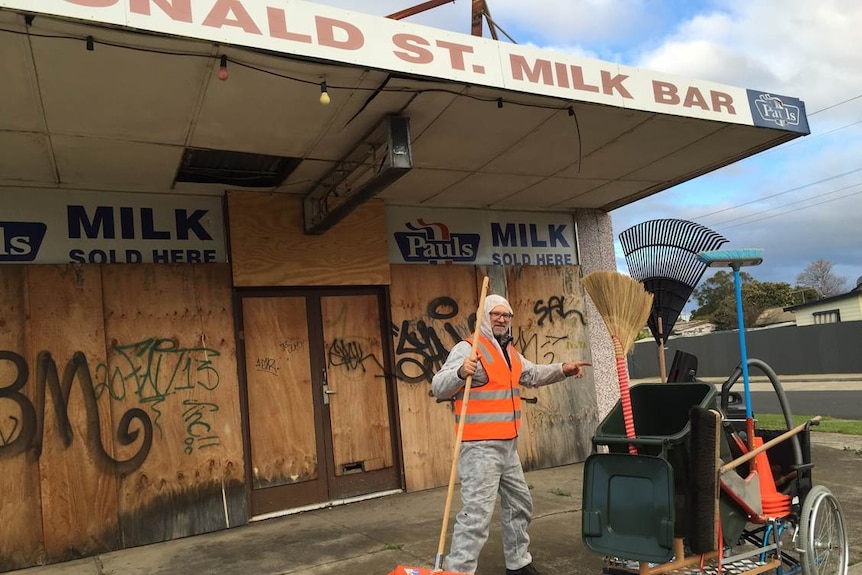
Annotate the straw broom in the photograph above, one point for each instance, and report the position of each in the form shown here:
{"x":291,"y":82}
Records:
{"x":624,"y":305}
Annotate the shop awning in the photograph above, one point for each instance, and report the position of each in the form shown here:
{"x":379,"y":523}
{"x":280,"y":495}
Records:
{"x":123,"y":94}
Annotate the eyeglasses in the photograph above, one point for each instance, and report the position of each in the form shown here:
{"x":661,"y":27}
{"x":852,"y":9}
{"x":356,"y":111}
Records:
{"x":500,"y":315}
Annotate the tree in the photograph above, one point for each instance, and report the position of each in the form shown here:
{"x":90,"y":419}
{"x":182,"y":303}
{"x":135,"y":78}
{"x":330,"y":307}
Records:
{"x":761,"y":296}
{"x":819,"y":276}
{"x":803,"y":294}
{"x":717,"y":299}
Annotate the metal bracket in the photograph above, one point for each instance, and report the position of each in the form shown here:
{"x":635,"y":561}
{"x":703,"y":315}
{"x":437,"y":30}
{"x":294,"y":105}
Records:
{"x":376,"y":161}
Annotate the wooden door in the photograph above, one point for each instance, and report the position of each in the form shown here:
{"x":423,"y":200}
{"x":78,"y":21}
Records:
{"x":320,"y":403}
{"x":356,"y":396}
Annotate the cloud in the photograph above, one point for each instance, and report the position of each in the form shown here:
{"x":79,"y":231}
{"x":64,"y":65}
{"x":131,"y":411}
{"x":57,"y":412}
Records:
{"x":454,"y":16}
{"x":795,"y":215}
{"x":792,"y":47}
{"x":795,"y":48}
{"x":568,"y":22}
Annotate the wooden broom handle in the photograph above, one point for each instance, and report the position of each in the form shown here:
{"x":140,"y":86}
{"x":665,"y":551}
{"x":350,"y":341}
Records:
{"x":480,"y":311}
{"x":662,"y":365}
{"x":757,"y":450}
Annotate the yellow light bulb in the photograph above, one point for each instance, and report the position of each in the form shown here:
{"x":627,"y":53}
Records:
{"x":324,"y":99}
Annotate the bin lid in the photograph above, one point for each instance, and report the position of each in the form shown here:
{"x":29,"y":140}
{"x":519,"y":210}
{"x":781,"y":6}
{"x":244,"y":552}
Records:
{"x":628,"y":507}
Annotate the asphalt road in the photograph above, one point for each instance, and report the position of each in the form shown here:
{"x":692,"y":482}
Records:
{"x":838,"y":404}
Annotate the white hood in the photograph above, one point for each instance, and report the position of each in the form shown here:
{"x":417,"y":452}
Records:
{"x":491,"y":302}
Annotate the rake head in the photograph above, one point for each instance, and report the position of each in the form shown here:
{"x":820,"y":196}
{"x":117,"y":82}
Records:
{"x":663,"y":254}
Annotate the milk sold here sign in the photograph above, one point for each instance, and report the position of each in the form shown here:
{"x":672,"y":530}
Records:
{"x":479,"y":237}
{"x":321,"y":32}
{"x":62,"y":226}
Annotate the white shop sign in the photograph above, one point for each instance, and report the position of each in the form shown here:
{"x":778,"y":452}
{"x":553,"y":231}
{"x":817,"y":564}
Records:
{"x":479,"y":237}
{"x":60,"y":226}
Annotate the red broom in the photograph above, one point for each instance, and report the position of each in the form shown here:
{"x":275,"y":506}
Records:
{"x":624,"y":306}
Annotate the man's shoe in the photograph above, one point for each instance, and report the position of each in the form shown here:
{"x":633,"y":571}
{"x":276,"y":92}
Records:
{"x":525,"y":570}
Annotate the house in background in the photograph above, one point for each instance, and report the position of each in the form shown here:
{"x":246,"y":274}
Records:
{"x":693,"y":327}
{"x":835,"y":309}
{"x":775,"y":317}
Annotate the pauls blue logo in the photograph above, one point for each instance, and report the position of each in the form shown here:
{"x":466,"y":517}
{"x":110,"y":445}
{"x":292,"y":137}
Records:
{"x":432,"y":243}
{"x":20,"y":241}
{"x":771,"y":111}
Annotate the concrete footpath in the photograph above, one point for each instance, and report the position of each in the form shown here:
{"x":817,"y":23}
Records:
{"x":371,"y":537}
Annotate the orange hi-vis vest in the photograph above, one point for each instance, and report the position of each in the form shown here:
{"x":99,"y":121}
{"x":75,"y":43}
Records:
{"x":494,"y":409}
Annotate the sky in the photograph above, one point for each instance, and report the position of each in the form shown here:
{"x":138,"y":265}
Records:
{"x":799,"y":202}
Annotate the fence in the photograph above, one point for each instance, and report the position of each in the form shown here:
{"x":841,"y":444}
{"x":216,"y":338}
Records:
{"x":789,"y":350}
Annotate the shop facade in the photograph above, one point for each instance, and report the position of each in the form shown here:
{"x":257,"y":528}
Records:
{"x":181,"y":353}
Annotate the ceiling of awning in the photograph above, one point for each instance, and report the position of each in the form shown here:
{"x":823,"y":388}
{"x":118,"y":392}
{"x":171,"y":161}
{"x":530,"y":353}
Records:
{"x":116,"y":118}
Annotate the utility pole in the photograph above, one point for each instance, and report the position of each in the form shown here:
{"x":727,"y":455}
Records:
{"x":419,"y":8}
{"x":479,"y":11}
{"x":476,"y":20}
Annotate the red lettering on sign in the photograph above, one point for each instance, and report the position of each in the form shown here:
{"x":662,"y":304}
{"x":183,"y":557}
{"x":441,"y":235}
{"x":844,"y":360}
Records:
{"x":665,"y":93}
{"x":456,"y":53}
{"x":568,"y":76}
{"x":693,"y":97}
{"x":278,"y":26}
{"x":413,"y":52}
{"x":611,"y":83}
{"x":562,"y":74}
{"x":721,"y":100}
{"x":326,"y":34}
{"x":578,"y":82}
{"x":541,"y":72}
{"x":219,"y":16}
{"x":177,"y":10}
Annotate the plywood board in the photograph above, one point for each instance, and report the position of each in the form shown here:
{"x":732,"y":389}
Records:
{"x":361,"y":430}
{"x":269,"y":246}
{"x":79,"y":487}
{"x":549,"y":327}
{"x":431,"y":312}
{"x":20,"y":503}
{"x":280,"y":402}
{"x":217,"y":329}
{"x":162,"y":366}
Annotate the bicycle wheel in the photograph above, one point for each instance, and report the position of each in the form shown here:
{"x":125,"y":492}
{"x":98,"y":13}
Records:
{"x":822,"y":534}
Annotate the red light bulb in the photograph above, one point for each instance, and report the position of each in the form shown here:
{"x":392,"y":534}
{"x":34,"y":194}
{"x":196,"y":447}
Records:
{"x":222,"y":73}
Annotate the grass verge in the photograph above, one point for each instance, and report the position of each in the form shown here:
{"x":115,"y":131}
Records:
{"x":827,"y":424}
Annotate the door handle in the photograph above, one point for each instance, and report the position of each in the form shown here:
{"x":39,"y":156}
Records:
{"x":326,"y":391}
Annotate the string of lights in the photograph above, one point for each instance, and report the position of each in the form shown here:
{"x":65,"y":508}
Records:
{"x":223,"y":73}
{"x":92,"y":42}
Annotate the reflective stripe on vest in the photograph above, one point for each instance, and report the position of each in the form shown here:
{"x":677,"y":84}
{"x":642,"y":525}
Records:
{"x":494,"y":409}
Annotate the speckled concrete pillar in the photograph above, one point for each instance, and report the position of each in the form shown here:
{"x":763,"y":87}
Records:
{"x":596,"y":252}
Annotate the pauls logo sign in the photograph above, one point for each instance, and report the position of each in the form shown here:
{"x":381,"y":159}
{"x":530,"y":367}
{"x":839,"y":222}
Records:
{"x":778,"y":111}
{"x":774,"y":110}
{"x":20,"y":241}
{"x":479,"y":237}
{"x":431,"y":242}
